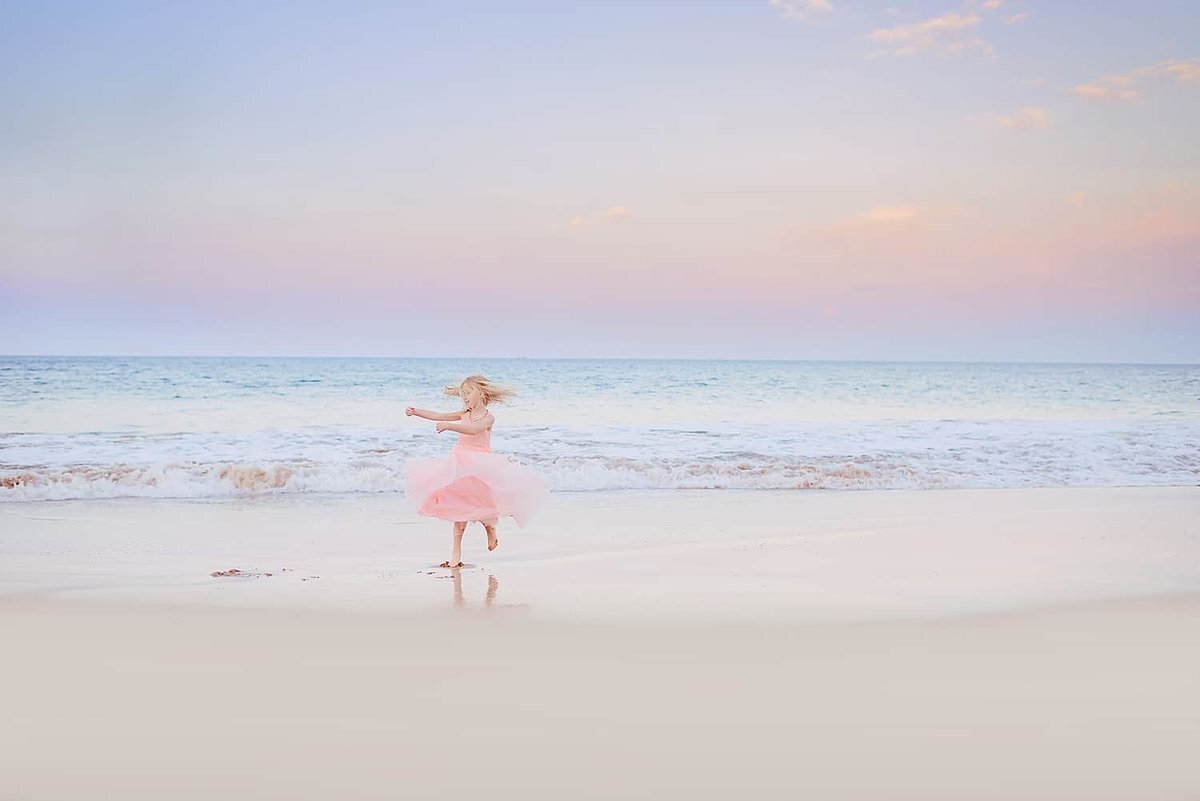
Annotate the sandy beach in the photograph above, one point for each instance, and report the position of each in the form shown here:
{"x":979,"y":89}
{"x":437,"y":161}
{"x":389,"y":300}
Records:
{"x":858,"y":645}
{"x":1092,"y":701}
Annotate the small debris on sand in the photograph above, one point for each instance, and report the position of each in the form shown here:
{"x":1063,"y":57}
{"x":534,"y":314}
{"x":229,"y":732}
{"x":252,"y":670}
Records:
{"x":233,"y":571}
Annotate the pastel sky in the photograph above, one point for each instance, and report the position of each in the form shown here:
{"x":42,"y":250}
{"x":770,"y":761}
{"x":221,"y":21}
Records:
{"x":825,"y":179}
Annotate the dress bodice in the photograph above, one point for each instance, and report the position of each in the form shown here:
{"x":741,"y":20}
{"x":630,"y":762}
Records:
{"x":476,"y":442}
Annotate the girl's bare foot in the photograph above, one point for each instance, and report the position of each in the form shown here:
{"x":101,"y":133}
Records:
{"x":493,"y":540}
{"x":455,"y":559}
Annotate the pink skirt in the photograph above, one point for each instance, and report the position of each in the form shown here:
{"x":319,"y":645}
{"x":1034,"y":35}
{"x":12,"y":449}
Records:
{"x":471,"y":485}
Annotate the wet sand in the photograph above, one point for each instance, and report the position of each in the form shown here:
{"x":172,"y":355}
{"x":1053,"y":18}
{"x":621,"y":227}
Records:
{"x":684,"y":556}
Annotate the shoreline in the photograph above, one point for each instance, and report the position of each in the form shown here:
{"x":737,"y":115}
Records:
{"x":267,"y":497}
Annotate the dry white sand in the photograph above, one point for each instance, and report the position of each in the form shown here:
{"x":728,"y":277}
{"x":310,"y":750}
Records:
{"x":1092,"y":702}
{"x":1032,"y":644}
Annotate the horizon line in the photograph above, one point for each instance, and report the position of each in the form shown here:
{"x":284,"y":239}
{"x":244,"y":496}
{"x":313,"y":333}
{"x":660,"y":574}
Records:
{"x":1064,"y":363}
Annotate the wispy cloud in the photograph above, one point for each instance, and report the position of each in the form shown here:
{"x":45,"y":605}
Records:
{"x":992,"y":5}
{"x":1013,"y":19}
{"x":878,"y":228}
{"x":609,"y":215}
{"x":891,"y":214}
{"x":951,"y":33}
{"x":909,"y":213}
{"x":1125,"y":86}
{"x":1183,"y":70}
{"x":1110,"y":87}
{"x":1029,"y":117}
{"x":1078,"y":199}
{"x":800,"y":9}
{"x":895,"y":217}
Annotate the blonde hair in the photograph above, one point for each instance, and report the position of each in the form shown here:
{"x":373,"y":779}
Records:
{"x":492,"y":392}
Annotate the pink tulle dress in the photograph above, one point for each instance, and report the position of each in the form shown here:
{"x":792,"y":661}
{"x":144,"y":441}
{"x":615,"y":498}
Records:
{"x":474,"y":483}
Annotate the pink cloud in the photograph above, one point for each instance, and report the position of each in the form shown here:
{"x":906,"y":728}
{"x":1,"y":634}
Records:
{"x":1183,"y":70}
{"x":1110,"y":87}
{"x":1029,"y":117}
{"x":950,"y":33}
{"x":609,"y":215}
{"x":1125,"y":86}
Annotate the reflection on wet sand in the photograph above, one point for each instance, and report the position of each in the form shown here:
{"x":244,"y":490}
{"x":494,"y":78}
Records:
{"x":489,"y":600}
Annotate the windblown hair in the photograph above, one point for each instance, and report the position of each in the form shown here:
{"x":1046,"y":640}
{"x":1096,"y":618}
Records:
{"x":492,"y":393}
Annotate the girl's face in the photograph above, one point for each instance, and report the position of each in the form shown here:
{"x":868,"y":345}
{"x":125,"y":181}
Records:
{"x":470,"y":395}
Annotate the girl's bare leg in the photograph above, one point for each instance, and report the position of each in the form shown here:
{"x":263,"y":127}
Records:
{"x":490,"y":527}
{"x":456,"y":554}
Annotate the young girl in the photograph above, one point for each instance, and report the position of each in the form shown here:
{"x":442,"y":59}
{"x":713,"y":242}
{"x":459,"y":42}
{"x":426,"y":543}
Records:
{"x":473,"y":482}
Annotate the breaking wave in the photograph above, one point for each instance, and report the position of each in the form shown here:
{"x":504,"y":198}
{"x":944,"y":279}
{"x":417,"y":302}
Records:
{"x":579,"y":474}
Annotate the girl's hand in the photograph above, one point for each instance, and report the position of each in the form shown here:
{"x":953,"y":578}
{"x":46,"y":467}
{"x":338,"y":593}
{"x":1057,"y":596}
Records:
{"x":410,"y":410}
{"x":441,"y":427}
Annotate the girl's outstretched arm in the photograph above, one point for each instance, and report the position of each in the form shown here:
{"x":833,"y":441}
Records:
{"x":467,"y":427}
{"x":414,"y":411}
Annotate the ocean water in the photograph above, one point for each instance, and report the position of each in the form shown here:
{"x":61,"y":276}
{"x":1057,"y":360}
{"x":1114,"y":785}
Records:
{"x":230,"y":427}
